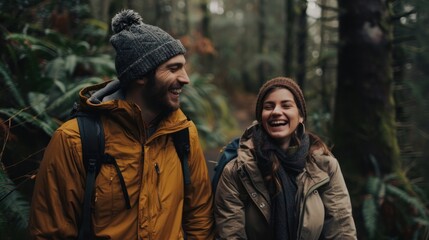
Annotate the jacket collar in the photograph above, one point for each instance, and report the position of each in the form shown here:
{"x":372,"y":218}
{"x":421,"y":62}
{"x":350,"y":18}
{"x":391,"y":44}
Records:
{"x":246,"y":162}
{"x":314,"y":171}
{"x":108,"y":99}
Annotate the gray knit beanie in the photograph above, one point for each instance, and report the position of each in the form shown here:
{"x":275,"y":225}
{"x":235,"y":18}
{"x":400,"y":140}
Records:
{"x":282,"y":82}
{"x":140,"y":47}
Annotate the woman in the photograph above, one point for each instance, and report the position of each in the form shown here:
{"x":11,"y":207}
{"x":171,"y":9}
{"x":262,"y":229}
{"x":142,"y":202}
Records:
{"x":285,"y":183}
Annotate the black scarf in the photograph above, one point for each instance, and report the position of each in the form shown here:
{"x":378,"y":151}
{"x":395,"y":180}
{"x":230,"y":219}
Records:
{"x":284,"y":217}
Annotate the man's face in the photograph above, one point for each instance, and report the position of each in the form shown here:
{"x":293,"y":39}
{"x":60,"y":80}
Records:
{"x":162,"y":93}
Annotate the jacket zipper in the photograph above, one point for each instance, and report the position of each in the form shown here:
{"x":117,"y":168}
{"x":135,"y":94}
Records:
{"x":141,"y":213}
{"x":158,"y":172}
{"x":301,"y":218}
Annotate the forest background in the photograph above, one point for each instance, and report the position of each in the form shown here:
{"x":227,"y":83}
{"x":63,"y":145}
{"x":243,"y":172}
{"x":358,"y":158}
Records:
{"x":363,"y":66}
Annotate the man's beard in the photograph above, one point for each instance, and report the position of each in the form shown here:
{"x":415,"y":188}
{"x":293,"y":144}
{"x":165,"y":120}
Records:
{"x":156,"y":99}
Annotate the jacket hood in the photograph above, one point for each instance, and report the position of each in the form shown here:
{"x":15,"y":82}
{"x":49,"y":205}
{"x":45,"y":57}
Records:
{"x":93,"y":96}
{"x":246,"y":153}
{"x":246,"y":161}
{"x":246,"y":141}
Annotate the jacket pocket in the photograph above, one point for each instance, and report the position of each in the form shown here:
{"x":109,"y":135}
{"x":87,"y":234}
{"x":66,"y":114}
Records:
{"x":105,"y":201}
{"x":109,"y":198}
{"x":314,"y":216}
{"x":158,"y":190}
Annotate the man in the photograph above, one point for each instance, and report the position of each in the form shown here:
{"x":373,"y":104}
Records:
{"x":139,"y":112}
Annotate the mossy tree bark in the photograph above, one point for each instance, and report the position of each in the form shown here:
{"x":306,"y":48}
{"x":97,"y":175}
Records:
{"x":288,"y":63}
{"x":364,"y":129}
{"x":302,"y":36}
{"x":365,"y":111}
{"x":261,"y":39}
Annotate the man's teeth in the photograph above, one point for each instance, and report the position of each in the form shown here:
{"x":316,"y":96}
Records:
{"x":176,"y":91}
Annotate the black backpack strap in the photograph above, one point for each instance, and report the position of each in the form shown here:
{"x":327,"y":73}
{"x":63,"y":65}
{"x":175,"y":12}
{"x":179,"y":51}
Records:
{"x":92,"y":138}
{"x":111,"y":160}
{"x":181,"y":143}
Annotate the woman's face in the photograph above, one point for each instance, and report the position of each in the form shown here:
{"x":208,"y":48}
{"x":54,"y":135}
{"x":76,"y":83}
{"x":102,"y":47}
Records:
{"x":280,"y":116}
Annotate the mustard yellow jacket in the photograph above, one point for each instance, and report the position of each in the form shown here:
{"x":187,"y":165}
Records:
{"x":160,"y":208}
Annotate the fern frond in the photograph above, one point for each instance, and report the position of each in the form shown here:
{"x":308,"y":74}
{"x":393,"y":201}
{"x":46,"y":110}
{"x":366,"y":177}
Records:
{"x":21,"y":117}
{"x":422,"y":221}
{"x":36,"y":43}
{"x":420,"y":193}
{"x":63,"y":102}
{"x":370,"y":215}
{"x":13,"y":208}
{"x":6,"y":76}
{"x":102,"y":63}
{"x":407,"y":198}
{"x":376,"y":187}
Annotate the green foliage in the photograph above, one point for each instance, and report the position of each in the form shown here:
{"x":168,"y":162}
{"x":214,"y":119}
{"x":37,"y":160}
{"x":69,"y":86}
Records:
{"x":54,"y":84}
{"x":14,"y":209}
{"x":20,"y":117}
{"x":388,"y":201}
{"x":41,"y":72}
{"x":412,"y":85}
{"x":319,"y":123}
{"x":204,"y":103}
{"x":11,"y":86}
{"x":370,"y":214}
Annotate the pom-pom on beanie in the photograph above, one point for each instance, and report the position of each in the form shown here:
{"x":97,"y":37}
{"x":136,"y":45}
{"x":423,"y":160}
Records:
{"x":281,"y":82}
{"x":140,"y":47}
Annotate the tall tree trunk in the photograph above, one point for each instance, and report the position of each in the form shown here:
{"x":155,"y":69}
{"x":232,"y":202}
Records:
{"x":205,"y":21}
{"x":179,"y":18}
{"x":162,"y":14}
{"x":261,"y":40}
{"x":187,"y":23}
{"x":302,"y":45}
{"x":326,"y":106}
{"x":364,"y":123}
{"x":100,"y":10}
{"x":288,"y":63}
{"x":205,"y":48}
{"x":403,"y":95}
{"x":138,"y":5}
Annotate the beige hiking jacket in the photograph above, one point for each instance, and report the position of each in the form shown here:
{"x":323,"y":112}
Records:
{"x":242,"y":202}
